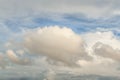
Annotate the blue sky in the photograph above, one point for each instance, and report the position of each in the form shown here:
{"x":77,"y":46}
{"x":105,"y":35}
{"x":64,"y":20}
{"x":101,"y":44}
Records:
{"x":34,"y":32}
{"x":85,"y":15}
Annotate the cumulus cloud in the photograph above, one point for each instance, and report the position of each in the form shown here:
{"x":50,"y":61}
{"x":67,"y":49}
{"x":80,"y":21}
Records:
{"x":106,"y":51}
{"x":105,"y":37}
{"x":15,"y":59}
{"x":60,"y":44}
{"x":104,"y":44}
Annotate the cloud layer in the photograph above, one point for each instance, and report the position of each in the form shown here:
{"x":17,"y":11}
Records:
{"x":94,"y":8}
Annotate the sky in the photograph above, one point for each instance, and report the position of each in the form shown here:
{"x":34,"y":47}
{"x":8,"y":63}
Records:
{"x":76,"y":36}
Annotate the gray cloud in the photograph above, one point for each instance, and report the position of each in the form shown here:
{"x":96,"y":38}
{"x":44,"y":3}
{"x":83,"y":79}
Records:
{"x":2,"y":61}
{"x":106,"y":51}
{"x":92,"y":8}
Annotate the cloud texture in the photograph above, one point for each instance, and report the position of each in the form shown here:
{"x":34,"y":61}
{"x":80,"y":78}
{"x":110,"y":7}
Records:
{"x":106,"y":51}
{"x":97,"y":50}
{"x":94,"y":8}
{"x":15,"y":59}
{"x":57,"y":43}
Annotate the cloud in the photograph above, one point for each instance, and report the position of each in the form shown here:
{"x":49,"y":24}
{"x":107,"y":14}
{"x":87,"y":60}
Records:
{"x":2,"y":61}
{"x":94,"y":8}
{"x":50,"y":75}
{"x":62,"y":44}
{"x":106,"y":51}
{"x":105,"y":37}
{"x":103,"y":44}
{"x":57,"y":43}
{"x":15,"y":59}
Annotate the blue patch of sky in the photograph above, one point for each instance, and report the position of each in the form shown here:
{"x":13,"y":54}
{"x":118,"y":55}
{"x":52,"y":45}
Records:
{"x":80,"y":19}
{"x":79,"y":24}
{"x":116,"y":33}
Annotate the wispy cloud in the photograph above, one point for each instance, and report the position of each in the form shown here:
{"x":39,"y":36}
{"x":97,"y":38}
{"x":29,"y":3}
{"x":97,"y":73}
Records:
{"x":92,"y":8}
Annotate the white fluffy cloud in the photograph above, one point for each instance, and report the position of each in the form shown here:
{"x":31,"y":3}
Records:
{"x":60,"y":44}
{"x":106,"y":37}
{"x":104,"y":44}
